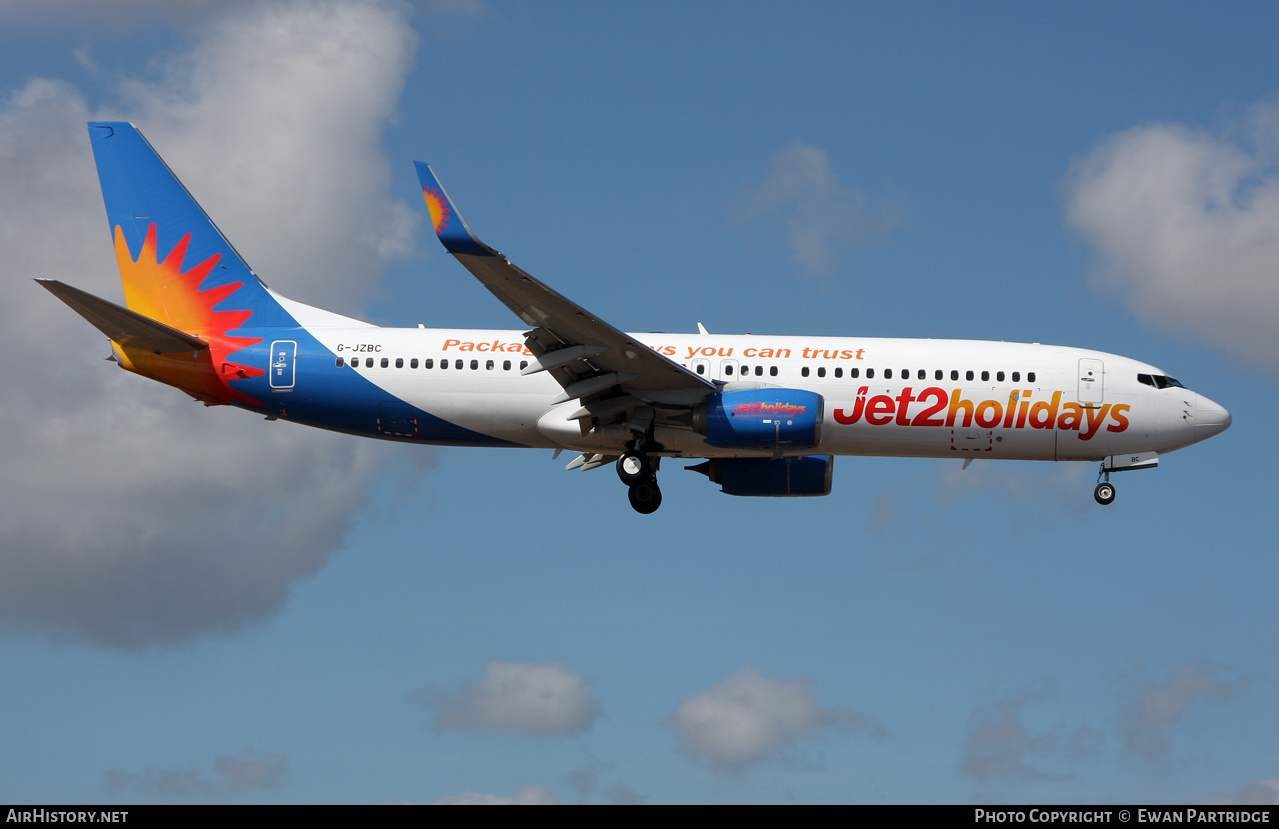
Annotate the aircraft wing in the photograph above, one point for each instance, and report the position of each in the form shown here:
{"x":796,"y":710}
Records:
{"x":128,"y":328}
{"x":587,"y":356}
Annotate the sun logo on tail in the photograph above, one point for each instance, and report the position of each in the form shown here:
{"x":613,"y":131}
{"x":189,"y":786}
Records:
{"x":438,"y":206}
{"x":161,"y":290}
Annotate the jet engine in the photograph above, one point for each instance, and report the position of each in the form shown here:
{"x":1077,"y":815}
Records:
{"x":767,"y":418}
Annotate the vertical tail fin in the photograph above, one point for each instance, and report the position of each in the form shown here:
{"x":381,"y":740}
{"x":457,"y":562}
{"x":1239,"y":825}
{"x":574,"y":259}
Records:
{"x":175,"y":264}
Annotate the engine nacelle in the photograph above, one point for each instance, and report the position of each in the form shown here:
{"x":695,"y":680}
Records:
{"x":766,"y":418}
{"x":775,"y":477}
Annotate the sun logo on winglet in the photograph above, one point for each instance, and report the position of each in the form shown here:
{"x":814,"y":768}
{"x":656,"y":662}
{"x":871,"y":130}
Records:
{"x":438,"y":206}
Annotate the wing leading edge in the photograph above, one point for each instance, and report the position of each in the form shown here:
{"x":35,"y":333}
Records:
{"x":588,"y":357}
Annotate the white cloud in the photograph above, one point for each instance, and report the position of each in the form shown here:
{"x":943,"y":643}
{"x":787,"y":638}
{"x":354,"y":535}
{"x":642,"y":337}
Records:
{"x":274,"y":121}
{"x":132,"y":515}
{"x":748,"y":718}
{"x":1001,"y":746}
{"x":251,"y":769}
{"x":1187,"y":226}
{"x":820,"y":214}
{"x":531,"y":795}
{"x":1150,"y":714}
{"x":535,"y":698}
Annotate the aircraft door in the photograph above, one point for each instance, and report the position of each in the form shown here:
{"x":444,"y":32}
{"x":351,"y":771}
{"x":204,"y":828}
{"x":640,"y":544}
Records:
{"x":283,"y":364}
{"x":1091,"y":381}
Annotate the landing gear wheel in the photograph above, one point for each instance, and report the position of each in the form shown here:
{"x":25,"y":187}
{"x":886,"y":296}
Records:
{"x":645,"y":497}
{"x":633,"y":467}
{"x":1104,"y":493}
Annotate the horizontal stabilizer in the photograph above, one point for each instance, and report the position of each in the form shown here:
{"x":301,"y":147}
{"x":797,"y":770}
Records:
{"x":128,"y":328}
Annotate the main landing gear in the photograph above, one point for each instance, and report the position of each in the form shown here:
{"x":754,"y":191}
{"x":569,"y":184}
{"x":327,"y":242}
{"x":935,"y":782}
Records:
{"x":1105,"y":491}
{"x":639,"y":472}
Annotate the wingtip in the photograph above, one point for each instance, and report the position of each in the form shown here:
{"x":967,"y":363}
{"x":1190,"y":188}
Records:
{"x":449,"y":225}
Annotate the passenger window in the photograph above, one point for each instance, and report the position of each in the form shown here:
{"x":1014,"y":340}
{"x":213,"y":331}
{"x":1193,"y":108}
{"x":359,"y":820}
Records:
{"x":399,"y":362}
{"x":368,"y":362}
{"x":772,"y":371}
{"x":870,"y":374}
{"x":821,"y":371}
{"x":444,"y":363}
{"x":413,"y":363}
{"x":985,"y":376}
{"x":488,"y":366}
{"x":1016,"y":376}
{"x":506,"y":365}
{"x":1030,"y":377}
{"x":804,"y":371}
{"x":888,"y":374}
{"x":968,"y":375}
{"x":954,"y":375}
{"x":854,"y":373}
{"x":759,"y":371}
{"x":701,"y":368}
{"x":475,"y":364}
{"x":922,"y":374}
{"x":839,"y":372}
{"x":999,"y":376}
{"x":728,"y":369}
{"x":341,"y":362}
{"x":428,"y":363}
{"x":523,"y":364}
{"x":937,"y":375}
{"x":457,"y":364}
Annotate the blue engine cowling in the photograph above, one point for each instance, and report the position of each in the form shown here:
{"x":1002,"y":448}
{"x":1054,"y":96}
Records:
{"x":776,"y":477}
{"x":767,"y":418}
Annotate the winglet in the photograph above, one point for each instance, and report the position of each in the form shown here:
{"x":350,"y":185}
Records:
{"x":452,"y":229}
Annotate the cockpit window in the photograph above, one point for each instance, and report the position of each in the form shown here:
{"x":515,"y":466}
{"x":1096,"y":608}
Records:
{"x":1159,"y":381}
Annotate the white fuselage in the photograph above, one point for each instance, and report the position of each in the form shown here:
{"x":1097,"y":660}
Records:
{"x":923,"y":398}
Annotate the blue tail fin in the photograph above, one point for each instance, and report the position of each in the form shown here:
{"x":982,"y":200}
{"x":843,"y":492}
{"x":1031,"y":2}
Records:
{"x":175,"y":264}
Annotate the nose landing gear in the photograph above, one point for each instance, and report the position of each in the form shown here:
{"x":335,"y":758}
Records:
{"x":1105,"y":491}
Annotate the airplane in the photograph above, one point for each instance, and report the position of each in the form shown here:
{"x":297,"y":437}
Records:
{"x":765,"y":415}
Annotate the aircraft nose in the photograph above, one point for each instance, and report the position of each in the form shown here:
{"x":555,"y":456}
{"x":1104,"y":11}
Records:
{"x":1210,"y":418}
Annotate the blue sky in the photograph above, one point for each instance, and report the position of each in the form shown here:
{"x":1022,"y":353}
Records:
{"x":197,"y":605}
